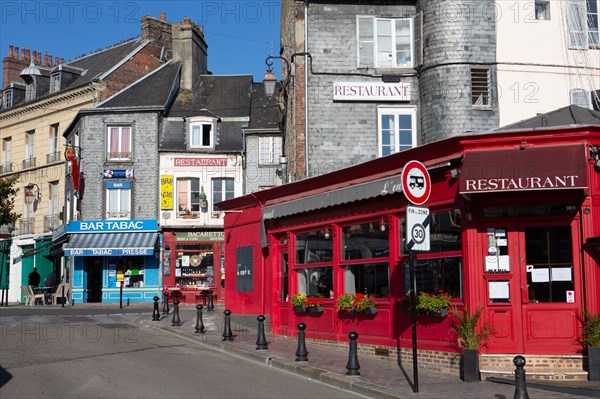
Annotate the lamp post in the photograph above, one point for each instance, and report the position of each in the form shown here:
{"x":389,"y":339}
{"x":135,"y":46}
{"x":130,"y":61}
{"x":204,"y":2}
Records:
{"x":32,"y":193}
{"x":203,"y":200}
{"x":270,"y":80}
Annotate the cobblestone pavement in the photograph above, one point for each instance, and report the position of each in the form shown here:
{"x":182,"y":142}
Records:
{"x":378,"y":379}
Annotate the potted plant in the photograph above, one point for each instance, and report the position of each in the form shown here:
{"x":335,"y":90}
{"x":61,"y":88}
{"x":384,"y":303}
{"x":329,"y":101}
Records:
{"x":356,"y":303}
{"x":436,"y":304}
{"x":298,"y":302}
{"x":344,"y":303}
{"x":590,"y":342}
{"x":313,"y":304}
{"x":470,"y":336}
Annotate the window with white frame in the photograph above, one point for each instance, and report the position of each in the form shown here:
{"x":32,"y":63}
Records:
{"x":188,"y":196}
{"x":53,"y":202}
{"x":119,"y":143}
{"x":581,"y":98}
{"x":7,"y":155}
{"x":542,"y":10}
{"x":582,"y":24}
{"x":222,"y":190}
{"x":118,"y":200}
{"x":397,"y":129}
{"x":202,"y":133}
{"x":55,"y":82}
{"x":480,"y":87}
{"x":384,"y":42}
{"x":269,"y":150}
{"x":29,"y":144}
{"x":8,"y":96}
{"x":53,"y":152}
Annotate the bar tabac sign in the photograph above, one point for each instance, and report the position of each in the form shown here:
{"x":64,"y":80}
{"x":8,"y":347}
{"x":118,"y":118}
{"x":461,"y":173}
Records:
{"x":166,"y":192}
{"x":524,"y":169}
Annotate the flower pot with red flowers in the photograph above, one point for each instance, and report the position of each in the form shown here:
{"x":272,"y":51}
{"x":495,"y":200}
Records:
{"x":356,"y":303}
{"x":313,"y":304}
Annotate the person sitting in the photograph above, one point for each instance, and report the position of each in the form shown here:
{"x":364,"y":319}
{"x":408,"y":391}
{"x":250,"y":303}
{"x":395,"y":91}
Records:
{"x":50,"y":280}
{"x":34,"y":278}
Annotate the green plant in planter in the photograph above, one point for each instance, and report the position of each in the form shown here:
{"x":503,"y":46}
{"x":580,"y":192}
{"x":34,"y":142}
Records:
{"x":590,"y":329}
{"x":470,"y":334}
{"x":298,"y":299}
{"x":433,"y":303}
{"x":363,"y":303}
{"x":344,"y":303}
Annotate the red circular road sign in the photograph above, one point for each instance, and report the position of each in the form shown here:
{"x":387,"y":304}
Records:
{"x":416,"y":182}
{"x":70,"y":154}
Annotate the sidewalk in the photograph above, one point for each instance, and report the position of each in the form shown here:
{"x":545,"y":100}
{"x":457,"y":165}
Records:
{"x":378,"y":379}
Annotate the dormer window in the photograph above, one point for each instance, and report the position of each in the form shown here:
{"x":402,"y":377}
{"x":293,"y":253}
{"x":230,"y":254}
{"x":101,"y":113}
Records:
{"x":8,"y":99}
{"x":202,"y":133}
{"x":55,"y":82}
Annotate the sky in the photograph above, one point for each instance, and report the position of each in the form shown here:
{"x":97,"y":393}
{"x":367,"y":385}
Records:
{"x":240,"y":34}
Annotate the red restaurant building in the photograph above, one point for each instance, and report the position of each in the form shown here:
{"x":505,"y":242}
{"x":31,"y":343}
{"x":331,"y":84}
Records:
{"x":514,"y":228}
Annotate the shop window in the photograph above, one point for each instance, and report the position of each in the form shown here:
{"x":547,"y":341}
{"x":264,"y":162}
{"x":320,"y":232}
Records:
{"x":549,"y":263}
{"x":194,"y":266}
{"x":397,"y":129}
{"x":119,"y":143}
{"x":315,"y":281}
{"x":223,"y":189}
{"x":437,"y":274}
{"x":363,"y":241}
{"x":444,"y":232}
{"x":369,"y":279}
{"x":313,"y":247}
{"x":188,"y":197}
{"x":384,"y":42}
{"x":129,"y":269}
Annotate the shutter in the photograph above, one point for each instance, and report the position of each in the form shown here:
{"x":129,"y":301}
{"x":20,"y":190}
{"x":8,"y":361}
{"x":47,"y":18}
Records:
{"x":581,"y":98}
{"x":577,"y":24}
{"x":418,"y":42}
{"x":365,"y":42}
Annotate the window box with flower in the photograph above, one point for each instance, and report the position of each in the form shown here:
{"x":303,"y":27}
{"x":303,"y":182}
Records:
{"x":434,"y":304}
{"x":356,"y":303}
{"x":303,"y":303}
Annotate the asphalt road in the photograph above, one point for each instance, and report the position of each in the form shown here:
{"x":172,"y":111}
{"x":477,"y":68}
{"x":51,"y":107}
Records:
{"x":59,"y":354}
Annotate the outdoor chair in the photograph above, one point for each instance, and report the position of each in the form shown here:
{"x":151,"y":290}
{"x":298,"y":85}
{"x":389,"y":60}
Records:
{"x":33,"y":297}
{"x":26,"y":296}
{"x":59,"y":292}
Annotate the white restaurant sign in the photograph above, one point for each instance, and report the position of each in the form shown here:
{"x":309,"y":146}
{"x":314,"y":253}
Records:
{"x":371,"y":91}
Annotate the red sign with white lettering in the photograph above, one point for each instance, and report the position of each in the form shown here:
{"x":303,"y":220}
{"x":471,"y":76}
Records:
{"x":200,"y":162}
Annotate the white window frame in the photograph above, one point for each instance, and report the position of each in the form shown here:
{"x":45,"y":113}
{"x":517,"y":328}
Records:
{"x":579,"y":21}
{"x":121,"y":212}
{"x":122,"y":154}
{"x":30,"y":144}
{"x":593,"y":36}
{"x":269,"y":150}
{"x":201,"y":124}
{"x":373,"y":42}
{"x":192,"y":194}
{"x":221,"y":193}
{"x":55,"y":82}
{"x":478,"y":88}
{"x":396,"y":112}
{"x":53,"y":200}
{"x":8,"y":98}
{"x":581,"y":97}
{"x":7,"y":150}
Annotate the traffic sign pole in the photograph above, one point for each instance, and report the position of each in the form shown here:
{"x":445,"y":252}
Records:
{"x":413,"y":319}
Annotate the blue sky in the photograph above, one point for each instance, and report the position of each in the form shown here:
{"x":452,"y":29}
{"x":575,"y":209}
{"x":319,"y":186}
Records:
{"x":240,"y":34}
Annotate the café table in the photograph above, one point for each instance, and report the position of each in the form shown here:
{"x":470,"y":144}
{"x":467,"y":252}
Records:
{"x":47,"y":291}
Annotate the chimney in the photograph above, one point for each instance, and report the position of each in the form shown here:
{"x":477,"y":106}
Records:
{"x":159,"y":32}
{"x":56,"y":60}
{"x":33,"y":56}
{"x":189,"y":48}
{"x":39,"y":57}
{"x":12,"y":67}
{"x":163,"y":16}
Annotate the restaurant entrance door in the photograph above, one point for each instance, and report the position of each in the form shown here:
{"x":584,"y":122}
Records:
{"x":93,"y":271}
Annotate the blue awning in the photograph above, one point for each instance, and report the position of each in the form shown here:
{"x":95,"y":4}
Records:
{"x":111,"y":244}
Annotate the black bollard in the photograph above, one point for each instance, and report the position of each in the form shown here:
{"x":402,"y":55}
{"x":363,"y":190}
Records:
{"x":204,"y":293}
{"x":62,"y":297}
{"x":155,"y":314}
{"x":227,"y":335}
{"x":261,"y":341}
{"x":166,"y":309}
{"x":199,"y":322}
{"x":210,"y":307}
{"x":353,"y":365}
{"x":121,"y":296}
{"x":175,"y":321}
{"x":301,"y":352}
{"x":520,"y":385}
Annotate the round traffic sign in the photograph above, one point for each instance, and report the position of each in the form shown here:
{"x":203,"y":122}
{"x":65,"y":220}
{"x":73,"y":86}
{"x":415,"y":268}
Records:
{"x":416,"y":182}
{"x":418,"y":233}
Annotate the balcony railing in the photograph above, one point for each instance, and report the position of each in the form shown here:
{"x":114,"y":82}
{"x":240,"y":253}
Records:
{"x":26,"y":226}
{"x":6,"y":167}
{"x":29,"y":163}
{"x":53,"y":157}
{"x":51,"y":222}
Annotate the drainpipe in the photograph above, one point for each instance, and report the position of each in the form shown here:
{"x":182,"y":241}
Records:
{"x":306,"y":159}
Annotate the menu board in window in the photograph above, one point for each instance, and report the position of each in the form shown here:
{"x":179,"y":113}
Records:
{"x":496,"y":259}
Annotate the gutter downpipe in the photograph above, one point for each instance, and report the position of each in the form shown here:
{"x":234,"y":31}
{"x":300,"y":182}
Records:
{"x":306,"y":158}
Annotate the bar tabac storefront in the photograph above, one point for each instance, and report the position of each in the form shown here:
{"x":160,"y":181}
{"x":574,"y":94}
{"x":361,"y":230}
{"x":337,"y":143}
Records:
{"x":514,"y":227}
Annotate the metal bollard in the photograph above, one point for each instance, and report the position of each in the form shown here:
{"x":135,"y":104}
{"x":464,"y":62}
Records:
{"x":166,"y":309}
{"x":301,"y":352}
{"x":227,"y":335}
{"x":204,"y":293}
{"x":261,"y":340}
{"x":62,"y":297}
{"x":352,"y":365}
{"x":210,"y":307}
{"x":155,"y":314}
{"x":199,"y":322}
{"x":175,"y":321}
{"x":520,"y":385}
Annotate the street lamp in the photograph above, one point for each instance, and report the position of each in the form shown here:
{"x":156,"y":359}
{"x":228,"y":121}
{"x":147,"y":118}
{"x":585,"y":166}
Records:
{"x":203,"y":200}
{"x":32,"y":193}
{"x":270,"y":80}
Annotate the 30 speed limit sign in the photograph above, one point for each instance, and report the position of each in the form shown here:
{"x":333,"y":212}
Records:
{"x":417,"y":228}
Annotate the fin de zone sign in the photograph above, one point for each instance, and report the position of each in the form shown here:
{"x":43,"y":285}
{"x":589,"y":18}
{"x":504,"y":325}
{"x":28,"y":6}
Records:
{"x":416,"y":182}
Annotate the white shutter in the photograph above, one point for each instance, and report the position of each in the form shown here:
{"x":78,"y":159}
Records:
{"x":581,"y":97}
{"x":365,"y":41}
{"x":577,"y":24}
